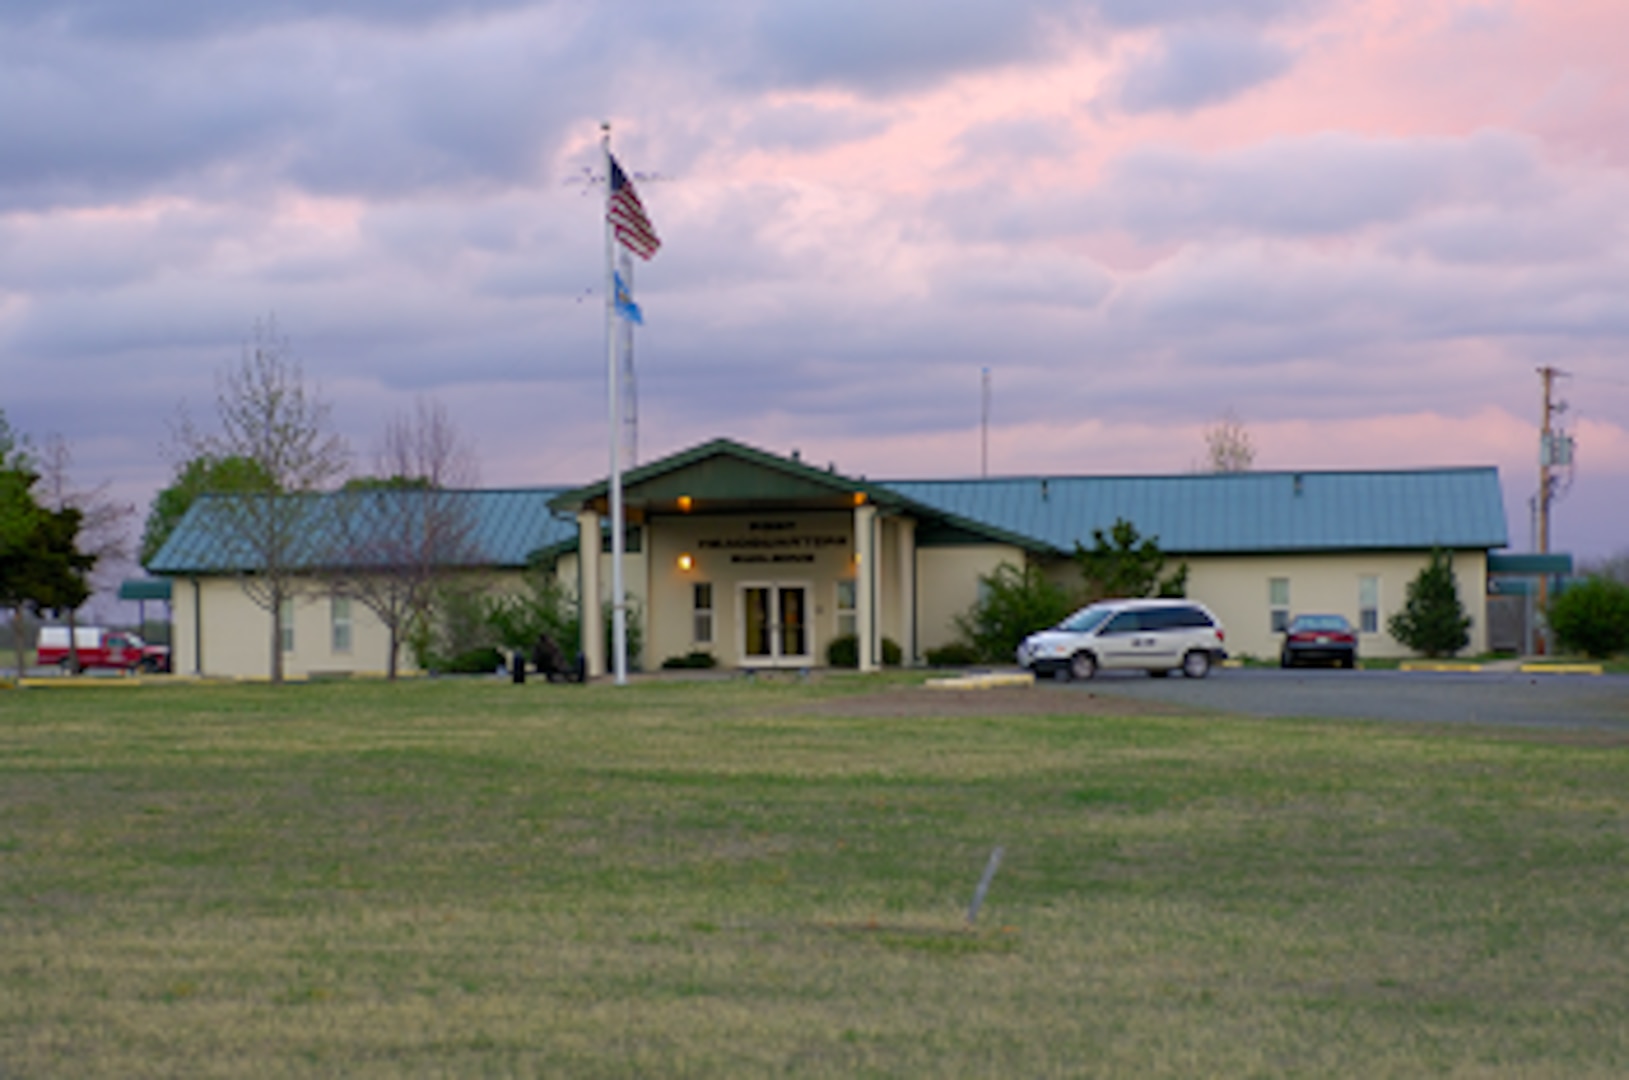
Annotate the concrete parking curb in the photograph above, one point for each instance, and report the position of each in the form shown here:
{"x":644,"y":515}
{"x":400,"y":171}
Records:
{"x":984,"y":681}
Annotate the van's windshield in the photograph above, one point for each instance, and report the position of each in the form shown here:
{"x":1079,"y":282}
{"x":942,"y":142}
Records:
{"x":1086,"y":620}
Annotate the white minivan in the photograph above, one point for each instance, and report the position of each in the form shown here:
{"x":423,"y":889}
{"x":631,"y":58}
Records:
{"x":1156,"y":636}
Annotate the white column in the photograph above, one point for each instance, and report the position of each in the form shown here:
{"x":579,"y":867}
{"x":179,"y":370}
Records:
{"x":905,"y":537}
{"x":647,"y":597}
{"x":865,"y":584}
{"x":588,"y":576}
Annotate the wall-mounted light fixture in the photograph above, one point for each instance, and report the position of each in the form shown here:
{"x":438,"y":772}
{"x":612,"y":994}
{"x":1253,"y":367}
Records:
{"x":685,"y":503}
{"x":859,"y":498}
{"x":687,"y":562}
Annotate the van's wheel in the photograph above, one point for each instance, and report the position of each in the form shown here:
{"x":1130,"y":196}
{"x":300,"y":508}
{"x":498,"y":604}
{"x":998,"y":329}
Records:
{"x":1196,"y":665}
{"x":1082,"y":666}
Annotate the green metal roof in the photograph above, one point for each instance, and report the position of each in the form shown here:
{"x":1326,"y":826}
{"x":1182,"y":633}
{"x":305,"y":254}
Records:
{"x":144,"y":589}
{"x":1530,"y":563}
{"x":505,"y":528}
{"x":724,"y":473}
{"x":1216,"y":513}
{"x":1195,"y":514}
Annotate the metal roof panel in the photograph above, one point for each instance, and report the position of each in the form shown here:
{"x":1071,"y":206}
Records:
{"x":1216,"y":513}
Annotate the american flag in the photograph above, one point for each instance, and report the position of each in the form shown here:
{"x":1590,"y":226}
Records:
{"x":627,"y":216}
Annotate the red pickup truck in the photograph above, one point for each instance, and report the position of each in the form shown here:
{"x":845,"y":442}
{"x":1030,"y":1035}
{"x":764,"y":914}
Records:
{"x":99,"y":647}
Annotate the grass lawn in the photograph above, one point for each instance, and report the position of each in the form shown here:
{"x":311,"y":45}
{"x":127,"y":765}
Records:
{"x":470,"y":878}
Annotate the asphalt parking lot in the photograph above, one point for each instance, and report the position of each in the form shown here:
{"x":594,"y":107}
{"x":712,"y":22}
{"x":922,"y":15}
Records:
{"x":1503,"y":699}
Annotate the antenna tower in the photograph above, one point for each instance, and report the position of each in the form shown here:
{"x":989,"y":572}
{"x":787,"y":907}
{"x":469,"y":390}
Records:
{"x":984,"y":423}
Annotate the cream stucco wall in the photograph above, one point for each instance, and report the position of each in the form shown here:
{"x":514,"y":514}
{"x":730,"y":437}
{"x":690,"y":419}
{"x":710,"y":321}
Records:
{"x":1236,"y":588}
{"x":948,"y":585}
{"x":732,"y":551}
{"x":813,"y":550}
{"x":236,"y":634}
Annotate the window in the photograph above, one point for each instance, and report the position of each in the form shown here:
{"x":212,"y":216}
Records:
{"x":1160,"y":619}
{"x":1368,"y":602}
{"x":1127,"y":622}
{"x":701,"y":622}
{"x":633,"y":539}
{"x":1278,"y":602}
{"x":1173,"y":618}
{"x":340,"y":620}
{"x":1194,"y":617}
{"x":847,"y":624}
{"x":285,"y":624}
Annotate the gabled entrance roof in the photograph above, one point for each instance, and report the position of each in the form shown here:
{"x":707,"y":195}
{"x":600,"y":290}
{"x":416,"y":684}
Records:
{"x":723,"y":475}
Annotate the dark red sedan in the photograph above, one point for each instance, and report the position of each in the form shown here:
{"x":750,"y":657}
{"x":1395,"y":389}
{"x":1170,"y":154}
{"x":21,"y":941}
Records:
{"x":1319,"y":639}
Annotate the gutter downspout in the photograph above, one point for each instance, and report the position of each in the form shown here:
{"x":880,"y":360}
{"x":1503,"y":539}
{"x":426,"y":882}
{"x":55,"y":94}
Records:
{"x":197,"y":628}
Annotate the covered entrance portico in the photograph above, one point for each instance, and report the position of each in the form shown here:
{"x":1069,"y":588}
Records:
{"x":761,"y":561}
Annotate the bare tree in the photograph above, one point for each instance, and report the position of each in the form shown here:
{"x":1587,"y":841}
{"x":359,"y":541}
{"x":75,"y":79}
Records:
{"x":104,"y":523}
{"x":1614,"y":566}
{"x":1227,"y":445}
{"x":403,"y":531}
{"x":426,"y":446}
{"x":268,"y":416}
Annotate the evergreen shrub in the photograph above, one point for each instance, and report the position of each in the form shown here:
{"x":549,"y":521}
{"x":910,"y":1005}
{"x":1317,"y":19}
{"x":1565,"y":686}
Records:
{"x":1433,"y":621}
{"x":1592,"y":617}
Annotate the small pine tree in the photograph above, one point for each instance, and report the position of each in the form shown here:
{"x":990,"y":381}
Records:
{"x":1124,"y":563}
{"x":1433,"y":621}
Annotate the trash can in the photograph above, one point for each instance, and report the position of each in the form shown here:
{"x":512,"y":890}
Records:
{"x":517,"y":666}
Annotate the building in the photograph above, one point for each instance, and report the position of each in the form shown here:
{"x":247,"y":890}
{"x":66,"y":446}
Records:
{"x":763,"y":560}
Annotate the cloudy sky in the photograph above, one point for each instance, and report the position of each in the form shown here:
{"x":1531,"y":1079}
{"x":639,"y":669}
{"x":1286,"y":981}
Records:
{"x":1359,"y":226}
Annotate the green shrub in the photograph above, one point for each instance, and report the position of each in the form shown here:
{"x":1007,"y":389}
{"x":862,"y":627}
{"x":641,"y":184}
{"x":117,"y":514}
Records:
{"x":1013,"y":604}
{"x":455,"y":628}
{"x":843,"y":651}
{"x":697,"y":659}
{"x":544,"y":606}
{"x":1592,"y":617}
{"x":956,"y":654}
{"x":472,"y":662}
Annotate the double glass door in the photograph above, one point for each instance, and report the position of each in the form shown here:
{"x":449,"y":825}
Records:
{"x":775,"y":624}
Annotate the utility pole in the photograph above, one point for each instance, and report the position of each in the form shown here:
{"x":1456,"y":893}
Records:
{"x":1554,"y":450}
{"x":1547,"y":374}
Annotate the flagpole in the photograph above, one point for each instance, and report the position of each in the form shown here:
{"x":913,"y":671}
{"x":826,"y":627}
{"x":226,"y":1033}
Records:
{"x":619,"y":612}
{"x":630,"y":379}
